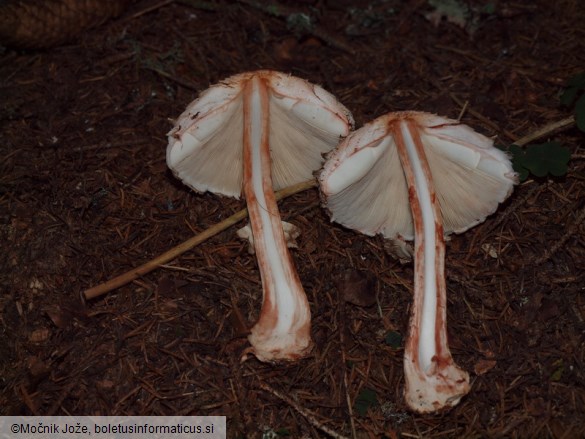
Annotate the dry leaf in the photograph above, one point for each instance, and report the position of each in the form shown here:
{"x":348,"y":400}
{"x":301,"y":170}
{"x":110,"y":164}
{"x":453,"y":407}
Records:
{"x":39,"y":335}
{"x":483,"y":366}
{"x":357,"y":287}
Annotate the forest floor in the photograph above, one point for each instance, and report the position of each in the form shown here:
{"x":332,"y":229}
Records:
{"x":85,"y":195}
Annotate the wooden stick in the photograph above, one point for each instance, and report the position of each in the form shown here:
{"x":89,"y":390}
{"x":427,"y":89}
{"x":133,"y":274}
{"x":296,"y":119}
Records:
{"x":309,"y":415}
{"x":168,"y":256}
{"x":546,"y":130}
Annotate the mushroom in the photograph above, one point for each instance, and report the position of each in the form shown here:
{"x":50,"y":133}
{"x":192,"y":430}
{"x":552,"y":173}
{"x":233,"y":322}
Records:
{"x":453,"y":178}
{"x":255,"y":133}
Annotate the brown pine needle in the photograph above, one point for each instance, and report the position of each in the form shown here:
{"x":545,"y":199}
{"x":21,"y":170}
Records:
{"x":168,"y":256}
{"x":572,"y":230}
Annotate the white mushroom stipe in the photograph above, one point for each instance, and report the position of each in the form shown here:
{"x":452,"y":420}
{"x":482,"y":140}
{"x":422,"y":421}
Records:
{"x":426,"y":347}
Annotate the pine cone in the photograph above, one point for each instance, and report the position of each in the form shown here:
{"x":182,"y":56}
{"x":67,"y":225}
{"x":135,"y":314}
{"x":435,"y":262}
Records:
{"x":34,"y":24}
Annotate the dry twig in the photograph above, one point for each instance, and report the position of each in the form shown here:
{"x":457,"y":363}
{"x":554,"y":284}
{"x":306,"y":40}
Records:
{"x":341,"y":305}
{"x":546,"y":130}
{"x":168,"y":256}
{"x":308,"y":415}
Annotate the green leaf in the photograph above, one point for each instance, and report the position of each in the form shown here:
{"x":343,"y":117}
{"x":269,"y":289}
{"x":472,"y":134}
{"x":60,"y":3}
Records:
{"x":540,"y":160}
{"x":522,"y":172}
{"x":365,"y":399}
{"x":568,"y":96}
{"x":580,"y":113}
{"x":393,"y":339}
{"x":535,"y":160}
{"x":575,"y":84}
{"x":559,"y":164}
{"x":516,"y":150}
{"x":555,"y":157}
{"x":518,"y":162}
{"x":558,"y":373}
{"x":577,"y":80}
{"x":489,"y":9}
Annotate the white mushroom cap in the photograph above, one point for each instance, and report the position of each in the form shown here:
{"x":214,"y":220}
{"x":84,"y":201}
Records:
{"x":365,"y":189}
{"x":205,"y":147}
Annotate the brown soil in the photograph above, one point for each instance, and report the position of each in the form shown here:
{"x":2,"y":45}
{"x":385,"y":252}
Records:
{"x":85,"y":195}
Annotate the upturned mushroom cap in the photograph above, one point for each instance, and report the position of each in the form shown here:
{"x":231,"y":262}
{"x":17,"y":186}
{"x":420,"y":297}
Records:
{"x":365,"y":189}
{"x":205,"y":148}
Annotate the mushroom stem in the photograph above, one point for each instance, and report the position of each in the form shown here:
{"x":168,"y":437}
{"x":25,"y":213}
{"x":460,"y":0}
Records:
{"x":433,"y":380}
{"x":282,"y":331}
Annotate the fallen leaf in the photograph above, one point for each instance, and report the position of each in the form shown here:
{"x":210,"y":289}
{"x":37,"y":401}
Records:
{"x":166,"y":285}
{"x":483,"y":366}
{"x":490,"y":250}
{"x":59,"y":317}
{"x":39,"y":335}
{"x":536,"y":407}
{"x":169,"y":305}
{"x":549,"y":309}
{"x":37,"y":367}
{"x":105,"y":384}
{"x":453,"y":11}
{"x":357,"y":287}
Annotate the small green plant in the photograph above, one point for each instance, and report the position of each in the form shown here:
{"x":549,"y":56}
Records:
{"x":393,"y":339}
{"x":540,"y":160}
{"x":559,"y":369}
{"x":574,"y":96}
{"x":366,"y":398}
{"x":269,"y":433}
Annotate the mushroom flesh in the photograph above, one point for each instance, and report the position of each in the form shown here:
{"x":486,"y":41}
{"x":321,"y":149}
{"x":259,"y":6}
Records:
{"x":255,"y":133}
{"x":452,"y":177}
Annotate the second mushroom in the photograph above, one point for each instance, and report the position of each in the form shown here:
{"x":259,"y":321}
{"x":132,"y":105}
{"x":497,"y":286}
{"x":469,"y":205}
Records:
{"x":414,"y":175}
{"x":255,"y":133}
